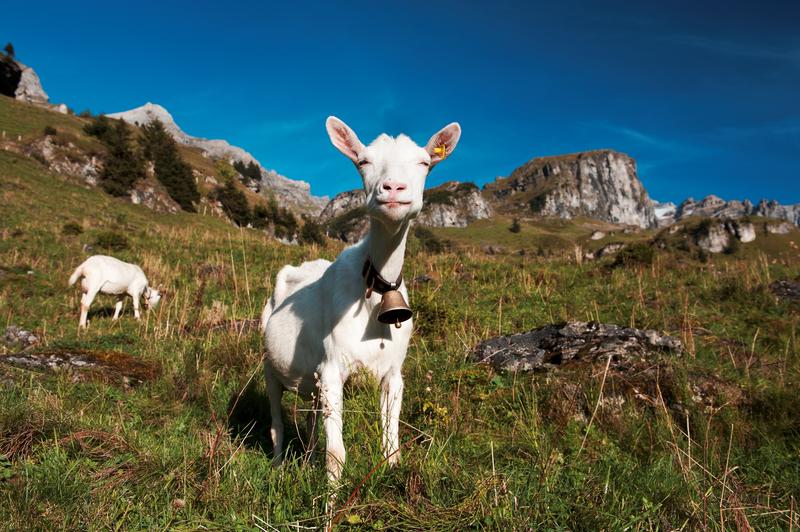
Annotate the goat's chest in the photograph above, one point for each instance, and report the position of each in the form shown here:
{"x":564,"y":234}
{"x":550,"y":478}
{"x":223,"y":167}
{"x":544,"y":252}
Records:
{"x":366,"y":343}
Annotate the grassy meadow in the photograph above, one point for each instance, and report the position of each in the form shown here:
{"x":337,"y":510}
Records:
{"x":704,"y":440}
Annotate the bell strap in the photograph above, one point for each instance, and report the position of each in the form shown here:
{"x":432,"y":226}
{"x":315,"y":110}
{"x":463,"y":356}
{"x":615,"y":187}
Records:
{"x":376,"y":283}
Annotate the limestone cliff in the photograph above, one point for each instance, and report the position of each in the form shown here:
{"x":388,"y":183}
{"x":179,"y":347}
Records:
{"x":599,"y":184}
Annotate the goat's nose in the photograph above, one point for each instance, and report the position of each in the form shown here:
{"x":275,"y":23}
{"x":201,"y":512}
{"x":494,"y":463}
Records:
{"x":395,"y":186}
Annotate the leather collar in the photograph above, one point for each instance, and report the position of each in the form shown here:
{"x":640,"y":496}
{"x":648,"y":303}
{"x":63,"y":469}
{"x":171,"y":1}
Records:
{"x":376,"y":283}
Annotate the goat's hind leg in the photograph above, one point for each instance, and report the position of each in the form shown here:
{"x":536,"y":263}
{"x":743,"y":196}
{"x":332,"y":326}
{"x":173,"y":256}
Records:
{"x":275,"y":391}
{"x":86,"y":301}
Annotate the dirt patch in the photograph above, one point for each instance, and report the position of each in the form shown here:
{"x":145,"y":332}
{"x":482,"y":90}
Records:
{"x":113,"y":367}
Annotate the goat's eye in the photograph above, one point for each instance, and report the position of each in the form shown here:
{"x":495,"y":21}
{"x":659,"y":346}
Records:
{"x":424,"y":163}
{"x":362,"y":162}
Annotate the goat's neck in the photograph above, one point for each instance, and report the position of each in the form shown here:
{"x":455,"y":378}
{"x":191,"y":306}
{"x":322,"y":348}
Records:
{"x":386,"y":247}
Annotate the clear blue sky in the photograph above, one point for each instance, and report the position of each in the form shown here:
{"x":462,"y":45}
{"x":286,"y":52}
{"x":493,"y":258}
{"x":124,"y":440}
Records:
{"x":705,"y":95}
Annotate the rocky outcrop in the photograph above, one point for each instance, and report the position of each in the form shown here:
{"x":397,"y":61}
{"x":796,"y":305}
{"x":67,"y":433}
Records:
{"x":292,"y":193}
{"x":716,"y":237}
{"x":453,"y":204}
{"x":20,"y":81}
{"x":556,"y":345}
{"x":344,"y":217}
{"x":600,"y":184}
{"x":64,"y":158}
{"x":716,"y":207}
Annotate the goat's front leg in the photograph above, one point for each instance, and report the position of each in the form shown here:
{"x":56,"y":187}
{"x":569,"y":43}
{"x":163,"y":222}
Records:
{"x":331,"y":397}
{"x":391,"y":401}
{"x":117,"y":308}
{"x":136,"y":306}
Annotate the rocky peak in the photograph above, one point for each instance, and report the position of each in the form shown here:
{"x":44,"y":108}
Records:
{"x":599,"y":184}
{"x":20,"y":81}
{"x":296,"y":194}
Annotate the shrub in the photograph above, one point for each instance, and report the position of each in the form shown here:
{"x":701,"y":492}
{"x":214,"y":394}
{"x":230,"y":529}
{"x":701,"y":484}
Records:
{"x":49,"y":131}
{"x":234,"y":203}
{"x":633,"y":255}
{"x":250,"y":169}
{"x":281,"y":219}
{"x":733,"y":246}
{"x":537,"y":203}
{"x":86,"y":113}
{"x":311,"y":232}
{"x":111,"y":240}
{"x":515,"y":226}
{"x":71,"y":229}
{"x":428,"y":241}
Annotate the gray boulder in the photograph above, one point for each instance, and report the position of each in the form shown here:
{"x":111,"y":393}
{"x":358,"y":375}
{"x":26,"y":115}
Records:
{"x":555,"y":345}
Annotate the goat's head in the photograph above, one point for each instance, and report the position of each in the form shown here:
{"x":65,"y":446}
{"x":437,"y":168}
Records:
{"x":152,"y":297}
{"x":393,"y":169}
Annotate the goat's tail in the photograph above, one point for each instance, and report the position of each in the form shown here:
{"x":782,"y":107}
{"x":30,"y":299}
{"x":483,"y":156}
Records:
{"x":77,"y":274}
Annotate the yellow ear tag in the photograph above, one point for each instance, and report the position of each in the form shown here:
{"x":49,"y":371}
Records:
{"x":441,"y":151}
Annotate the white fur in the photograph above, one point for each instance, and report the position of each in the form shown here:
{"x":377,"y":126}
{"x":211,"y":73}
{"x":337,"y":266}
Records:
{"x":108,"y":275}
{"x":318,"y":325}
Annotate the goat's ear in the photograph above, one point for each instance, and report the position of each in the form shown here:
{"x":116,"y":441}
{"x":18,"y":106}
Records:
{"x":344,"y":138}
{"x":443,"y":143}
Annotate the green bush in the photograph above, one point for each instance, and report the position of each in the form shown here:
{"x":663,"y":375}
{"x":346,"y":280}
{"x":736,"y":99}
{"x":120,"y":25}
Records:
{"x":311,"y":232}
{"x":515,"y":226}
{"x":234,"y":203}
{"x":428,"y":241}
{"x":112,"y":241}
{"x":49,"y":131}
{"x":281,"y":219}
{"x":639,"y":254}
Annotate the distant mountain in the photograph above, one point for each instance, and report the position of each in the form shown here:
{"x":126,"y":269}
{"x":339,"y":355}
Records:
{"x":716,"y":207}
{"x":292,"y":192}
{"x":600,"y":184}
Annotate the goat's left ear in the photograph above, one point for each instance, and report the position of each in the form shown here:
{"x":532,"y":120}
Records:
{"x":443,"y":143}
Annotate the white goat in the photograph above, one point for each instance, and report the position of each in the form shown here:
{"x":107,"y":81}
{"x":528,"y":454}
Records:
{"x":321,"y":322}
{"x":112,"y":276}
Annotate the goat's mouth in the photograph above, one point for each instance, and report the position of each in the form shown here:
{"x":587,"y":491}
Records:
{"x":393,"y":204}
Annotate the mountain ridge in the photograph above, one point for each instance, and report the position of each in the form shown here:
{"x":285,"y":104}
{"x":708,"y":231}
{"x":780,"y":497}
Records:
{"x":296,"y":192}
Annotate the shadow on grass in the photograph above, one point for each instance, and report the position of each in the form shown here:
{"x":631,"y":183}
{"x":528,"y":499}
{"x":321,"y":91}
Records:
{"x":249,"y":419}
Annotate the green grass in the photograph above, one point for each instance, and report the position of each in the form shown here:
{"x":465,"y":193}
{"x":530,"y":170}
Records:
{"x":483,"y":450}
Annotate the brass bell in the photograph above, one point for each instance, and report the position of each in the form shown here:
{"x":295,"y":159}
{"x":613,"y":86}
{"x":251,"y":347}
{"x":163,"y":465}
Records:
{"x":394,"y":308}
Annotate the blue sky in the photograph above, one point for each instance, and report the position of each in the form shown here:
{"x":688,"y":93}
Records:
{"x":703,"y":94}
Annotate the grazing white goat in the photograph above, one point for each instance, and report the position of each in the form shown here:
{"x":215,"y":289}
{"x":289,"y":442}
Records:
{"x":322,"y":320}
{"x":112,"y":276}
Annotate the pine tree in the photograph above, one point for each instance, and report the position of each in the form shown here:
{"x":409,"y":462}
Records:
{"x":170,"y":169}
{"x":9,"y":50}
{"x":122,"y":166}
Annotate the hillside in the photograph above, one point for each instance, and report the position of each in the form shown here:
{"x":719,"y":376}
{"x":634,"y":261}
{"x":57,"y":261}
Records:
{"x":162,"y":423}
